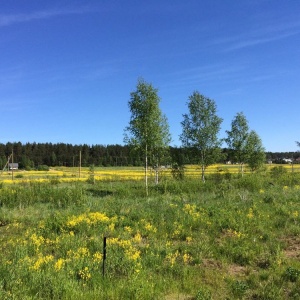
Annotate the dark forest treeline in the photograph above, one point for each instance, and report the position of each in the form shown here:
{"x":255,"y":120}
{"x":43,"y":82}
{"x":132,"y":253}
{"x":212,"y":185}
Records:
{"x":32,"y":155}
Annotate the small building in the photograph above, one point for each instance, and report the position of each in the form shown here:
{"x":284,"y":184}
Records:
{"x":13,"y":166}
{"x":287,"y":160}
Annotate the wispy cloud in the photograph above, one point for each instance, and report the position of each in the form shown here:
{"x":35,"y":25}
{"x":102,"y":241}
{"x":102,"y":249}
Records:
{"x":220,"y":72}
{"x":260,"y":40}
{"x":11,"y":19}
{"x":266,"y":33}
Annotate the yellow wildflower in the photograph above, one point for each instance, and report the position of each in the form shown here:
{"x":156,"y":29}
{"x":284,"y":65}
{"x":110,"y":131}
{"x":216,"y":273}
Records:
{"x":111,"y":227}
{"x":250,"y":214}
{"x":128,"y":229}
{"x":42,"y":260}
{"x":137,"y":238}
{"x":187,"y":258}
{"x":84,"y":274}
{"x":188,"y":239}
{"x":59,"y":264}
{"x":97,"y":257}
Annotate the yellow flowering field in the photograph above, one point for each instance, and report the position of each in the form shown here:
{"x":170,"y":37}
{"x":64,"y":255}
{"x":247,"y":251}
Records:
{"x":66,"y":174}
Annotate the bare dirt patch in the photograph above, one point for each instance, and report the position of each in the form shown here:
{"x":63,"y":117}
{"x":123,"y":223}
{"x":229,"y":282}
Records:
{"x":211,"y":263}
{"x":236,"y":270}
{"x":293,"y":247}
{"x":232,"y":269}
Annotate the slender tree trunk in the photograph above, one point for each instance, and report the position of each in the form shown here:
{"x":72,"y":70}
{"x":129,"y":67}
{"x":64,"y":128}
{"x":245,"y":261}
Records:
{"x":202,"y":167}
{"x":156,"y":173}
{"x":146,"y":170}
{"x":202,"y":173}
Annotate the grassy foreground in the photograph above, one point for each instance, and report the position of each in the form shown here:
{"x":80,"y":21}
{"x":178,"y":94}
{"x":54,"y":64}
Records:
{"x":230,"y":238}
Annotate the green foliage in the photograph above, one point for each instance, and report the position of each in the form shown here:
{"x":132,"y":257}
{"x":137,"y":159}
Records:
{"x":203,"y":294}
{"x":200,"y":128}
{"x":239,"y":288}
{"x":177,"y":171}
{"x":148,"y":130}
{"x":252,"y":183}
{"x":278,"y":171}
{"x":23,"y":196}
{"x":91,"y":178}
{"x":256,"y":151}
{"x":237,"y":138}
{"x":292,"y":274}
{"x":215,"y":240}
{"x":245,"y":146}
{"x":43,"y":168}
{"x":148,"y":127}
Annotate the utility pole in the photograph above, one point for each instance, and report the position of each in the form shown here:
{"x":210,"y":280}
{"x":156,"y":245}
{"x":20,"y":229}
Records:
{"x":79,"y":164}
{"x":12,"y":164}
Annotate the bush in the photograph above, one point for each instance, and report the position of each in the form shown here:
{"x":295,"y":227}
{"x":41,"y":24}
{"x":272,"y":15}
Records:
{"x":278,"y":171}
{"x":291,"y":274}
{"x":177,"y":171}
{"x":43,"y":168}
{"x":252,"y":183}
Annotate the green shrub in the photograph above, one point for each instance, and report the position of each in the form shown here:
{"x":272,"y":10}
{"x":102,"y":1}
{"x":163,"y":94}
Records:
{"x":239,"y":288}
{"x":291,"y":274}
{"x":43,"y":168}
{"x":203,"y":294}
{"x":278,"y":171}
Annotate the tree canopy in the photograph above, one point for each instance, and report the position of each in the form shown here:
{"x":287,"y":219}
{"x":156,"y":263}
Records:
{"x":246,"y":147}
{"x":148,"y":129}
{"x":200,"y":129}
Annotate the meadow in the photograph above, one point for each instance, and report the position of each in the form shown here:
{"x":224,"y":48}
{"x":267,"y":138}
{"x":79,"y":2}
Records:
{"x":232,"y":237}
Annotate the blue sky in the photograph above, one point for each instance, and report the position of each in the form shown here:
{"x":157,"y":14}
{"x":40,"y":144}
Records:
{"x":67,"y":67}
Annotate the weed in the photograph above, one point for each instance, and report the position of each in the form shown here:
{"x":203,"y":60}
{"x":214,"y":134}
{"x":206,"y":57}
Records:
{"x":291,"y":274}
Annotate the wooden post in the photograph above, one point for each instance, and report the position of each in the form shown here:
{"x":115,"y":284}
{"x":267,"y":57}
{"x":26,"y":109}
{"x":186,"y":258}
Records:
{"x":12,"y":165}
{"x":79,"y":164}
{"x":104,"y":256}
{"x":146,"y":169}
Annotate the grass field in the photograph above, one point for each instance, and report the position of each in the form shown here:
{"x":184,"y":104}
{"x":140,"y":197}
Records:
{"x":67,"y":174}
{"x":232,"y":237}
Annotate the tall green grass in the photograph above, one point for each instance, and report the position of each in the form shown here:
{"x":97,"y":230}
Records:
{"x":232,"y":237}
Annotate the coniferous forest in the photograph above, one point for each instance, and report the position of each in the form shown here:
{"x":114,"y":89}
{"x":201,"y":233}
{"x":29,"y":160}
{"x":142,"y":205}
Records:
{"x":32,"y":155}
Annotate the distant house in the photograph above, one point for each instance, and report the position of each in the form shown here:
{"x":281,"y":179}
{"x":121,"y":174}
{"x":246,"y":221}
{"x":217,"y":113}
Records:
{"x":287,"y":160}
{"x":13,"y":166}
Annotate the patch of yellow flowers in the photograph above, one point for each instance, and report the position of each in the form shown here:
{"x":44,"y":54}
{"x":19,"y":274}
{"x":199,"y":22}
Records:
{"x":91,"y":218}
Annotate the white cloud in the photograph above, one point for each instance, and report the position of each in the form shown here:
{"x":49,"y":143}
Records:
{"x":260,"y":40}
{"x":11,"y":19}
{"x":262,"y":33}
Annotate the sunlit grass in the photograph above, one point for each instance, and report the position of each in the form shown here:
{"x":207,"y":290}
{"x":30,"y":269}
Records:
{"x":226,"y":239}
{"x":69,"y":174}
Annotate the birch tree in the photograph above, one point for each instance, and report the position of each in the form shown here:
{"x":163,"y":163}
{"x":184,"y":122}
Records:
{"x":237,"y":139}
{"x":200,"y":129}
{"x":148,"y":129}
{"x":256,"y":152}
